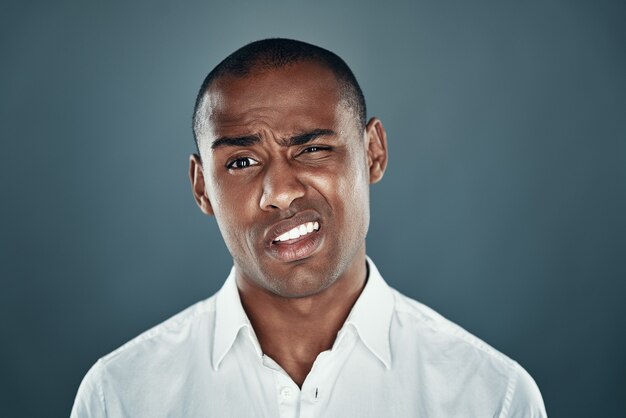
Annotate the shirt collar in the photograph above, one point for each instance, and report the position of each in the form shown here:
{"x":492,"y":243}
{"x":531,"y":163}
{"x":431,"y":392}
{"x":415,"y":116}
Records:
{"x":229,"y":319}
{"x":370,"y":316}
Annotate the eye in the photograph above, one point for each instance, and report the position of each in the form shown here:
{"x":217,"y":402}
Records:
{"x":239,"y":163}
{"x":316,"y":148}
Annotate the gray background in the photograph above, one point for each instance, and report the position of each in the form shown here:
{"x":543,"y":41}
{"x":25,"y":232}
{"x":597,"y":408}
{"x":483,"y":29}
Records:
{"x":502,"y":208}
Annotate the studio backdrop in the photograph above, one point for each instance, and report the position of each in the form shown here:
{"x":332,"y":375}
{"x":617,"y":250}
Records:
{"x":502,"y":207}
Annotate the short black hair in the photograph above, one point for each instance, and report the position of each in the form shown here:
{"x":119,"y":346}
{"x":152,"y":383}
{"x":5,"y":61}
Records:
{"x":277,"y":53}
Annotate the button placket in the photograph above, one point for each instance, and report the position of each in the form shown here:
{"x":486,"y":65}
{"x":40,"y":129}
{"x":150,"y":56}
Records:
{"x":286,"y":392}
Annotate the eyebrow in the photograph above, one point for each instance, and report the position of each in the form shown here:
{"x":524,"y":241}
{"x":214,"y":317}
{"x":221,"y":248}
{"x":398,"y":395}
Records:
{"x":240,"y":141}
{"x":247,"y":140}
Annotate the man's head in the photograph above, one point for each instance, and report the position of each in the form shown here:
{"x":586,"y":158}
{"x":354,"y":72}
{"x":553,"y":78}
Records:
{"x":271,"y":54}
{"x":285,"y":164}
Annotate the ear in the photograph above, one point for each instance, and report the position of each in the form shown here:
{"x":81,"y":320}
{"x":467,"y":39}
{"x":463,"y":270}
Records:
{"x":198,"y":187}
{"x":376,"y":149}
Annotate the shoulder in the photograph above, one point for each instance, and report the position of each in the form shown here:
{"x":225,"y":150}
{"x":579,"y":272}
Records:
{"x":89,"y":401}
{"x":453,"y":354}
{"x":438,"y":330}
{"x":157,"y":354}
{"x":174,"y":333}
{"x":524,"y":398}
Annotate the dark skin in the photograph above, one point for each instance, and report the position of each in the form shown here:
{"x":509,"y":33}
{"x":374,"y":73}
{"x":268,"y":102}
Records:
{"x":280,"y":148}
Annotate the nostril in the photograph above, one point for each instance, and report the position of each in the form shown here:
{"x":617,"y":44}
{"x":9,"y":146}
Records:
{"x":282,"y":200}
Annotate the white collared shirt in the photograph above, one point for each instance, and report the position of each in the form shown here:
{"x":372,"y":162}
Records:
{"x":393,"y":357}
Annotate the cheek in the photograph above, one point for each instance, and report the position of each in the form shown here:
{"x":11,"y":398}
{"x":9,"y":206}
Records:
{"x":354,"y":181}
{"x":232,"y":206}
{"x":356,"y":197}
{"x":347,"y":192}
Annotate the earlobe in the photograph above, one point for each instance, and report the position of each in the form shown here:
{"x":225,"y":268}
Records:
{"x":376,"y":149}
{"x":198,"y":186}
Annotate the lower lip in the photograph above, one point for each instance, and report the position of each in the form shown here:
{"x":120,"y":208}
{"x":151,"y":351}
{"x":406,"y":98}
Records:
{"x":297,"y":250}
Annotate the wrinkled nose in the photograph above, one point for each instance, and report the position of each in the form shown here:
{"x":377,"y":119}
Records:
{"x":281,"y":187}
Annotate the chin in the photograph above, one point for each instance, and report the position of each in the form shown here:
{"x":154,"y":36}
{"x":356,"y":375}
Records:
{"x":300,"y":285}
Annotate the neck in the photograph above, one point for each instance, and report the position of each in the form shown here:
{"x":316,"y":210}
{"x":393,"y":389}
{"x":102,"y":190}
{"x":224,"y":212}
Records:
{"x":293,"y":331}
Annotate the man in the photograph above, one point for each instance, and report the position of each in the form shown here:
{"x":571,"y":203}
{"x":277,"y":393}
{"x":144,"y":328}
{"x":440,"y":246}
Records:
{"x":304,"y":325}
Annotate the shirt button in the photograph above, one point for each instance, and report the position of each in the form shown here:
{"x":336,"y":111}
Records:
{"x":285,"y":392}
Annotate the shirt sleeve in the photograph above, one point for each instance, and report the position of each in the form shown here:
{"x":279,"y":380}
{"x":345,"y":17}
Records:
{"x":89,"y":402}
{"x":523,"y":398}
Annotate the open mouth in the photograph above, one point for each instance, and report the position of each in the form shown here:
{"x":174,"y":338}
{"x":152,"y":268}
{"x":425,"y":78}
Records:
{"x":298,"y":243}
{"x":297,"y":233}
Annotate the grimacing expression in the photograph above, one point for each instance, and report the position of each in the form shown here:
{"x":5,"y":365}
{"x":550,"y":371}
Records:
{"x":286,"y":171}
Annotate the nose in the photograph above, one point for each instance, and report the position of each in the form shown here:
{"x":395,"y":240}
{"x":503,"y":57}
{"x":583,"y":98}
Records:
{"x":281,"y":186}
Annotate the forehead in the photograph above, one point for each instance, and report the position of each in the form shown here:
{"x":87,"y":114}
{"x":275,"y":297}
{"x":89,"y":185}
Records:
{"x":287,"y":99}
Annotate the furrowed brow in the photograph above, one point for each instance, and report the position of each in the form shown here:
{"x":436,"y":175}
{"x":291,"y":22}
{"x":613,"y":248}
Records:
{"x":307,"y":137}
{"x":240,"y":141}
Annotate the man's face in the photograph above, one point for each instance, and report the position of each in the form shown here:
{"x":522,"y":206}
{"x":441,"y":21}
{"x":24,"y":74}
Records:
{"x":286,"y":173}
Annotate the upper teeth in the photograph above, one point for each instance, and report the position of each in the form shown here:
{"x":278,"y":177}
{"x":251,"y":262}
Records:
{"x":299,"y":231}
